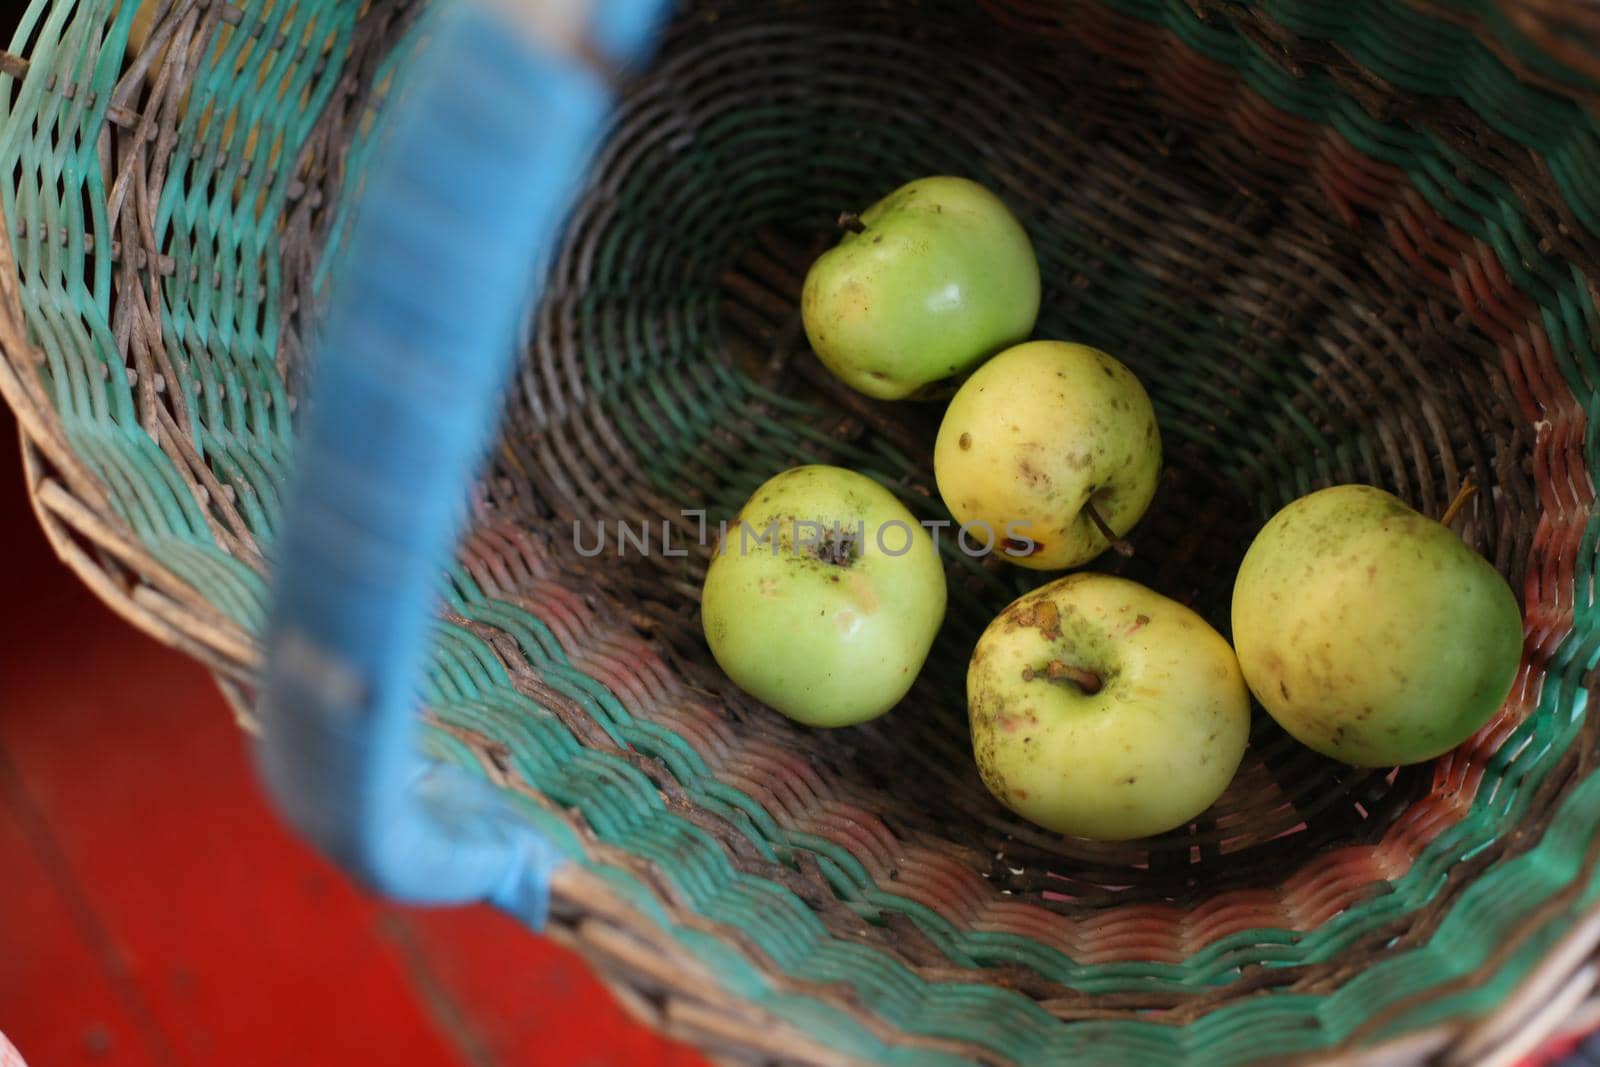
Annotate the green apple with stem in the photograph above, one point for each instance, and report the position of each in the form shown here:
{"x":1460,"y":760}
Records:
{"x":923,"y":285}
{"x":823,"y":597}
{"x":1055,"y":441}
{"x":1371,"y":632}
{"x":1102,"y":709}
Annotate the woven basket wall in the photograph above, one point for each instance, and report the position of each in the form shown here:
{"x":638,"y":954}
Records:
{"x":1337,"y":241}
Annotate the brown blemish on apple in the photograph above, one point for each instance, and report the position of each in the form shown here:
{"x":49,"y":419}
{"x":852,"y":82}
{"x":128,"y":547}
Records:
{"x":1058,"y":673}
{"x":866,"y":597}
{"x":1031,"y":474}
{"x":965,"y":441}
{"x":1139,"y":623}
{"x":1048,"y":620}
{"x":1077,"y":460}
{"x":1021,"y":794}
{"x":767,"y":587}
{"x":837,"y":548}
{"x":853,"y":301}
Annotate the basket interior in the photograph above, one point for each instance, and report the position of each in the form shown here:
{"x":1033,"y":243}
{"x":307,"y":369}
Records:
{"x":1328,"y":261}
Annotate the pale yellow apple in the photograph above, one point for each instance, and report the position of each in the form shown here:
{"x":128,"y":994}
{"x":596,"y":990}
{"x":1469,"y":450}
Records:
{"x":1102,"y":709}
{"x":1035,"y":437}
{"x":1370,"y":632}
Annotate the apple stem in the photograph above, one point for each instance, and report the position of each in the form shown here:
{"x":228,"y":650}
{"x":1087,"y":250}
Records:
{"x":849,"y":220}
{"x":1088,"y":681}
{"x":1464,"y":494}
{"x":1120,"y":546}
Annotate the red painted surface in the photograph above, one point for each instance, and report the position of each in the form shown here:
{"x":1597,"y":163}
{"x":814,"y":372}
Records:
{"x":553,"y":1014}
{"x":46,"y":956}
{"x":154,"y":912}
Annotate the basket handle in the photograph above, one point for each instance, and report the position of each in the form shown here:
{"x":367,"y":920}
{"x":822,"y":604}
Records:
{"x":488,"y":146}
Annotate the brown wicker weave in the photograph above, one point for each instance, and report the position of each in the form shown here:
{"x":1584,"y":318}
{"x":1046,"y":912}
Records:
{"x":1209,"y":194}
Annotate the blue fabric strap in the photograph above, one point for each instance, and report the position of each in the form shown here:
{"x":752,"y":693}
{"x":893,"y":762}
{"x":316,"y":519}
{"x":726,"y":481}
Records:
{"x":486,"y":150}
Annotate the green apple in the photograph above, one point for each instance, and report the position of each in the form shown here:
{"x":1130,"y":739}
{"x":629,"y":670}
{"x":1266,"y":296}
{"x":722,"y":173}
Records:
{"x":1371,"y":632}
{"x":823,"y":597}
{"x":1102,"y":709}
{"x":928,"y":282}
{"x":1052,"y":446}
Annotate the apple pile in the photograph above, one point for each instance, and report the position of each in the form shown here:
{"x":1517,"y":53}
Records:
{"x":1098,"y":707}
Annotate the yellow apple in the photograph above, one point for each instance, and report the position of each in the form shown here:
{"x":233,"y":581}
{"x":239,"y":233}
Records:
{"x":1102,"y":709}
{"x":1053,"y":440}
{"x":1370,"y":631}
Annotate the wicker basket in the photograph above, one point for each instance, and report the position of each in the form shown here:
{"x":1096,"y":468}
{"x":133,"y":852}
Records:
{"x":1338,"y":242}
